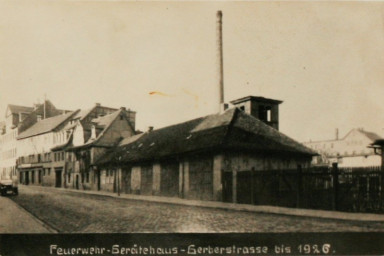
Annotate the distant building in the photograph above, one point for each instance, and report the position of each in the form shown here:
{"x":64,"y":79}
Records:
{"x":350,"y":151}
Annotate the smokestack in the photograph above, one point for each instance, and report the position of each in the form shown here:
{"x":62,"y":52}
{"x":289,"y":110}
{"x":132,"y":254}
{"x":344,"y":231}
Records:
{"x":219,"y":31}
{"x":337,"y":134}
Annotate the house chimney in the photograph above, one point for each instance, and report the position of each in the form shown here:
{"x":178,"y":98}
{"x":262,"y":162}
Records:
{"x":219,"y":31}
{"x":150,"y":128}
{"x":98,"y":104}
{"x":123,"y":108}
{"x":337,"y":134}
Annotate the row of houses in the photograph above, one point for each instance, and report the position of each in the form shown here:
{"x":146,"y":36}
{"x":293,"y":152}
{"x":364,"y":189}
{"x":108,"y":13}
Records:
{"x":99,"y":149}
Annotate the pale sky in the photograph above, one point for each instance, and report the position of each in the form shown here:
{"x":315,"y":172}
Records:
{"x":323,"y":59}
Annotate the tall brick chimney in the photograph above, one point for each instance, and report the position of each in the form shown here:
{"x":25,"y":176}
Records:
{"x":220,"y":64}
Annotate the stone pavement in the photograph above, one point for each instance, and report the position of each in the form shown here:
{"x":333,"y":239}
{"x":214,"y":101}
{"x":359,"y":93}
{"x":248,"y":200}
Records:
{"x":243,"y":207}
{"x":14,"y":219}
{"x":89,"y":212}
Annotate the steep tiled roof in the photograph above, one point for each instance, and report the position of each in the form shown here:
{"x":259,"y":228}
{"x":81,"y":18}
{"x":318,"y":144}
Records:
{"x":17,"y":109}
{"x":102,"y":124}
{"x":232,"y":129}
{"x":103,"y":121}
{"x":45,"y":125}
{"x":83,"y":113}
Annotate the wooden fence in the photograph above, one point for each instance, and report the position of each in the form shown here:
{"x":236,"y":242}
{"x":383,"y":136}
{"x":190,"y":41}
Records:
{"x":327,"y":188}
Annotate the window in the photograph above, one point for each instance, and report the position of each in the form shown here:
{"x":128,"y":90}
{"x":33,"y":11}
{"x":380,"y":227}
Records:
{"x":87,"y":177}
{"x":265,"y":113}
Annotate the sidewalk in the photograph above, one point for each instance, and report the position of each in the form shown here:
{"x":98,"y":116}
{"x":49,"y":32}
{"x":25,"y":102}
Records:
{"x":238,"y":207}
{"x":15,"y":219}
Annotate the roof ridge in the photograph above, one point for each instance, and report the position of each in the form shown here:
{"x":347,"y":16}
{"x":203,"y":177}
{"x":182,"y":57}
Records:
{"x":275,"y":133}
{"x":230,"y":125}
{"x":89,"y":112}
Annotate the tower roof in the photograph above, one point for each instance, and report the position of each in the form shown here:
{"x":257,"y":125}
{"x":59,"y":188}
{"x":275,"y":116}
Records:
{"x":256,"y":98}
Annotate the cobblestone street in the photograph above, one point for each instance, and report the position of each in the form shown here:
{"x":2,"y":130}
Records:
{"x":69,"y":212}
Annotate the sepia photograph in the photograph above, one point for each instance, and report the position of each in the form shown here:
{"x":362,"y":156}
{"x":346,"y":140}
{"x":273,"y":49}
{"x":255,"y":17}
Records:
{"x":194,"y":118}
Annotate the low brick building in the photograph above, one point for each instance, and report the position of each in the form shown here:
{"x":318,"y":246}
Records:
{"x":208,"y":158}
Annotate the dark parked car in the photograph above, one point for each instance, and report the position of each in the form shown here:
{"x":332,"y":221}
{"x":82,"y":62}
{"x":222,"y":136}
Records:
{"x":8,"y":187}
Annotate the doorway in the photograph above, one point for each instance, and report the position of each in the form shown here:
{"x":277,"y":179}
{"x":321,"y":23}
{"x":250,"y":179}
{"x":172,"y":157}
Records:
{"x":77,"y":182}
{"x":26,"y":175}
{"x":227,"y":186}
{"x":58,"y":178}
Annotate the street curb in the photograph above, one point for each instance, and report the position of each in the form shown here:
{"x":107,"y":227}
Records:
{"x":309,"y":213}
{"x":34,"y":217}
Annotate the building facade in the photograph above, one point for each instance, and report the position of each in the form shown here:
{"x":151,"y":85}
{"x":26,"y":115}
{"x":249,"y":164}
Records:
{"x":17,"y":120}
{"x":56,"y":151}
{"x":34,"y":150}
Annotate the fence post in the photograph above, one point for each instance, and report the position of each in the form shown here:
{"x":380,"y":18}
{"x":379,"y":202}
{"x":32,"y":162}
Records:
{"x":335,"y":175}
{"x":252,"y":185}
{"x":299,"y":194}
